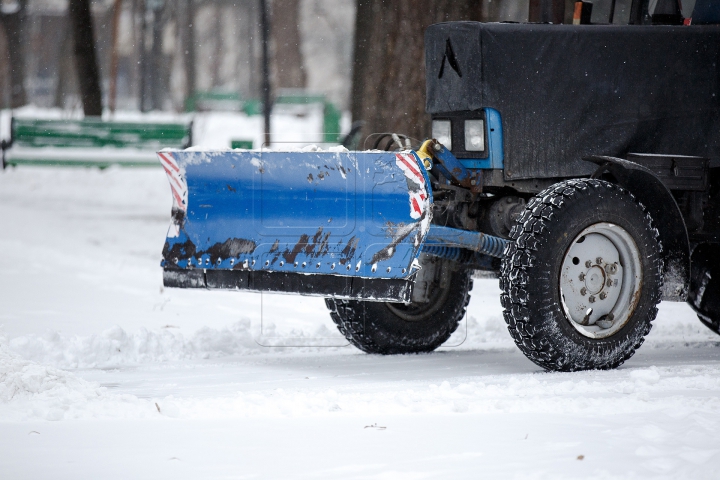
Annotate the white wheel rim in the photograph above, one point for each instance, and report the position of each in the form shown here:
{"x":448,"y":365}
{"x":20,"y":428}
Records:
{"x":601,"y":280}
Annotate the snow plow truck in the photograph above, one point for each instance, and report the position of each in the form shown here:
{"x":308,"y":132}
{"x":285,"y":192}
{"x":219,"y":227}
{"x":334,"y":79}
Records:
{"x":579,"y":163}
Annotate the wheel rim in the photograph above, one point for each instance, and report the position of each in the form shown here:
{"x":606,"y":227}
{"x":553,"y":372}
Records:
{"x":418,"y":311}
{"x":601,"y":280}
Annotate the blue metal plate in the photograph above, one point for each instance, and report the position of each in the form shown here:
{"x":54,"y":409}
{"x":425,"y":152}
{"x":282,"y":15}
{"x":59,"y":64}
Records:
{"x":360,"y":214}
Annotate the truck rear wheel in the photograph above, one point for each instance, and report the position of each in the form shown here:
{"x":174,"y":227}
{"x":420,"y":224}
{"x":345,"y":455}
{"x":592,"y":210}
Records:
{"x":420,"y":326}
{"x":704,"y":295}
{"x":582,"y":279}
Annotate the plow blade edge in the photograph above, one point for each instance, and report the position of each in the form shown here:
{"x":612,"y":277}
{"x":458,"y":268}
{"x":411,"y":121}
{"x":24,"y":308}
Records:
{"x":343,"y":224}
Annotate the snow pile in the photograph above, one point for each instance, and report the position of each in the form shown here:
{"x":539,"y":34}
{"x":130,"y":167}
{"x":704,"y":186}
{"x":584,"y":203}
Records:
{"x":116,"y":347}
{"x":23,"y":379}
{"x":275,"y":148}
{"x":28,"y":389}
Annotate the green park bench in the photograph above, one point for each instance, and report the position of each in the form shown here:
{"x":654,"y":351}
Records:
{"x":207,"y":100}
{"x":91,"y":142}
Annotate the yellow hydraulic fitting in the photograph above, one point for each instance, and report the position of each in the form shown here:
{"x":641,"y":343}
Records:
{"x":425,"y":153}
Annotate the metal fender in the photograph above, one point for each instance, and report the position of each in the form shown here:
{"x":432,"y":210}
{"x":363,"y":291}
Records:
{"x":666,"y":214}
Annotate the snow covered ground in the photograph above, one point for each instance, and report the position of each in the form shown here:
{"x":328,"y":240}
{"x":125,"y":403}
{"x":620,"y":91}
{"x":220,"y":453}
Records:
{"x":105,"y":374}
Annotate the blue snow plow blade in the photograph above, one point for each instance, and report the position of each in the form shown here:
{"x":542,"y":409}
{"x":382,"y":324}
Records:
{"x":342,"y":224}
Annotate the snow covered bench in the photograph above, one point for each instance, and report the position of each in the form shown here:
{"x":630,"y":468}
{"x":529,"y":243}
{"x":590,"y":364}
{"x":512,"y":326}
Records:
{"x":91,"y":142}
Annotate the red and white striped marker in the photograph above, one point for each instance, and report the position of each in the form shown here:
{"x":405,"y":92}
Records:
{"x":176,"y":176}
{"x":407,"y":163}
{"x":419,"y":197}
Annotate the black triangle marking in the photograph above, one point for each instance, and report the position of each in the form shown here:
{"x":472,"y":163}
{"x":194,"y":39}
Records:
{"x":451,"y":60}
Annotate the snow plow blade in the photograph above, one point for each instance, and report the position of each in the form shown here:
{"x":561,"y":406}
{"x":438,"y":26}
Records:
{"x":334,"y":224}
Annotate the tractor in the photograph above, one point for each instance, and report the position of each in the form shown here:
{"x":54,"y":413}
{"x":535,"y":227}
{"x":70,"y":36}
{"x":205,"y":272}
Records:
{"x":580,"y":164}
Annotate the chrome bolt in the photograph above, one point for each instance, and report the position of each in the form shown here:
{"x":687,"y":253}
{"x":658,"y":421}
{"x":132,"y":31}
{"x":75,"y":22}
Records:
{"x":583,"y":291}
{"x":592,"y":298}
{"x":603,"y":295}
{"x":588,"y":264}
{"x":598,"y":260}
{"x":582,"y":277}
{"x":437,"y":147}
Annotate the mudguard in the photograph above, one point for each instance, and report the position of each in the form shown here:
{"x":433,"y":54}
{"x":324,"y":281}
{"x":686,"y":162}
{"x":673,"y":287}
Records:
{"x":272,"y":215}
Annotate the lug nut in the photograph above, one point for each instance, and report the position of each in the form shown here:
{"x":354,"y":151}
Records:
{"x":598,"y":260}
{"x":583,"y":291}
{"x":613,"y":268}
{"x":592,"y":298}
{"x":603,"y":295}
{"x":582,"y":277}
{"x":588,"y":264}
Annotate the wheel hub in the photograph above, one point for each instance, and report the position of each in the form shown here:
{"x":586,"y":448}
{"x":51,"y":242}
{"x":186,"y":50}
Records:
{"x":595,"y":279}
{"x":600,"y":279}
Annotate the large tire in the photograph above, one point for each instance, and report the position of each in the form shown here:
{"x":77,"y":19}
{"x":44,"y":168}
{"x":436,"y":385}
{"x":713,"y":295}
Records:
{"x":704,"y":295}
{"x":550,"y":272}
{"x":395,"y":328}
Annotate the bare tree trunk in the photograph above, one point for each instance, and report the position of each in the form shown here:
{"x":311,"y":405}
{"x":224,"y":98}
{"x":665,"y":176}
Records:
{"x":117,"y":10}
{"x":67,"y":73}
{"x":266,"y":84}
{"x":14,"y":23}
{"x":217,"y":46}
{"x":143,"y":59}
{"x":4,"y":70}
{"x":289,"y":70}
{"x":186,"y":21}
{"x":157,"y":76}
{"x":361,"y":49}
{"x":86,"y":63}
{"x":389,"y":64}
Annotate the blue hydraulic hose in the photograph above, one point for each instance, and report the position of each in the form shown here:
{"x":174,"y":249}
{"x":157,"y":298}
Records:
{"x":447,"y":237}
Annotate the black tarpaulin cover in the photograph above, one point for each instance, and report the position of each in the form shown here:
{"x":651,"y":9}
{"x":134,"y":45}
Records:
{"x":567,"y":91}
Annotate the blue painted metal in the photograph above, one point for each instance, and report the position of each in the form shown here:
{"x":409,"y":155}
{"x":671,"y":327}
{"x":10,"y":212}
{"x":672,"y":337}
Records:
{"x":475,"y":241}
{"x":363,"y":214}
{"x":449,"y":165}
{"x":496,"y":153}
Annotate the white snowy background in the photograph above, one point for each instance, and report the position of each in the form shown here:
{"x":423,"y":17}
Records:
{"x":106,"y":374}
